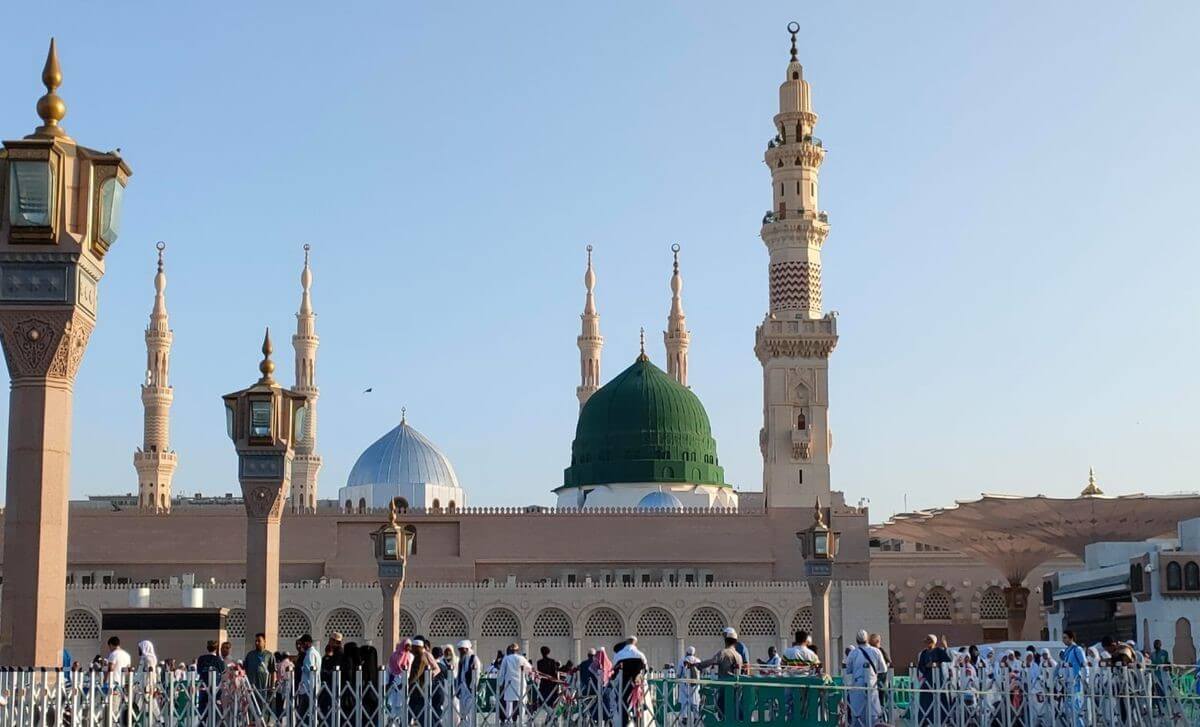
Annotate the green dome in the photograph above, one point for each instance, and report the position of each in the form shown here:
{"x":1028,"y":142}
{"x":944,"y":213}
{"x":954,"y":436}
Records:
{"x":643,"y":426}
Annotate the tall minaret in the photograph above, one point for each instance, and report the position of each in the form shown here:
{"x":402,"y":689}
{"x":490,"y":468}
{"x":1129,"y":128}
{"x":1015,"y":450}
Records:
{"x":796,"y":338}
{"x":307,"y":463}
{"x":155,"y":461}
{"x":590,"y":341}
{"x":676,"y":337}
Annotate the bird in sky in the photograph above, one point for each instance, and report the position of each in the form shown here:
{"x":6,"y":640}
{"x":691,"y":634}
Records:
{"x":368,"y":390}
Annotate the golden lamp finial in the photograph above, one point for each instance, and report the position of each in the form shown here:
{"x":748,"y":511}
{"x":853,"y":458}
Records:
{"x":267,"y":367}
{"x":392,"y":513}
{"x":50,"y":107}
{"x":1092,"y":488}
{"x":818,"y":515}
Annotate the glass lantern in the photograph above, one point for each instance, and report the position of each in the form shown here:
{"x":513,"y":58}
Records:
{"x":260,"y":419}
{"x":30,"y":193}
{"x":391,"y":549}
{"x":821,"y":544}
{"x":112,"y":194}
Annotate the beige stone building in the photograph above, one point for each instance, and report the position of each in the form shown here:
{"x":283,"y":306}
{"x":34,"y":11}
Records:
{"x":694,"y":555}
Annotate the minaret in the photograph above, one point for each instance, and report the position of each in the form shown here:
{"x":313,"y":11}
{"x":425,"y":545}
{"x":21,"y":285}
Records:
{"x":796,"y":338}
{"x":676,"y":337}
{"x":307,"y":464}
{"x":155,"y":461}
{"x":590,"y":341}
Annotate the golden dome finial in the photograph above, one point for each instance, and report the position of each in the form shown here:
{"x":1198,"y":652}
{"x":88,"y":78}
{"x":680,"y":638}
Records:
{"x":642,"y":344}
{"x":50,"y":107}
{"x":267,"y":367}
{"x":1092,"y":488}
{"x":794,"y":28}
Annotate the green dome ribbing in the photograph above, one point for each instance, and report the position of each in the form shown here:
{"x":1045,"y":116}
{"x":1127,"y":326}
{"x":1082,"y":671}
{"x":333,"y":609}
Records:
{"x":643,"y":426}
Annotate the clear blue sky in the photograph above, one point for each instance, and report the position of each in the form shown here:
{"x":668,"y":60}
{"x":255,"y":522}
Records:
{"x":1011,"y":189}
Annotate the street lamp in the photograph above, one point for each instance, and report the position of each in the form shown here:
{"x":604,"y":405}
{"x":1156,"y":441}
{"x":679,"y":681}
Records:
{"x":393,"y":544}
{"x":262,"y":421}
{"x":819,"y":547}
{"x":60,"y":210}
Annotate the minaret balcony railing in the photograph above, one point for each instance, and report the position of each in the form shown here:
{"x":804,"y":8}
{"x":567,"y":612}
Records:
{"x":772,"y":216}
{"x":810,"y":139}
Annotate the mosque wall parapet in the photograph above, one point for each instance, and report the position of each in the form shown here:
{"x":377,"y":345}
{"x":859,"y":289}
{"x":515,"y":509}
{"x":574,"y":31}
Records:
{"x":569,"y":618}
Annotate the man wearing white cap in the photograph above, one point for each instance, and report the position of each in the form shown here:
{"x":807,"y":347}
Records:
{"x":465,"y":680}
{"x":731,"y":633}
{"x":863,"y":667}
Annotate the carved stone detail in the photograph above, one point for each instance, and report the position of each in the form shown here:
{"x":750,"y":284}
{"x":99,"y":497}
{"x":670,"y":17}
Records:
{"x":263,"y":501}
{"x":44,"y":343}
{"x":769,"y":348}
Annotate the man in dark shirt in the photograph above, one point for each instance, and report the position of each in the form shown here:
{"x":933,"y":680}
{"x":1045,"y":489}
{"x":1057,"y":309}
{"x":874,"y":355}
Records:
{"x":1121,"y":657}
{"x":548,"y":686}
{"x":209,"y":668}
{"x":931,"y":677}
{"x":260,"y":667}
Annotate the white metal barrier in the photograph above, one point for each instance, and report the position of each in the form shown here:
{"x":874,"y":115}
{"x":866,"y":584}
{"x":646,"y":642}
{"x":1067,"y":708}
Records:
{"x":1133,"y":697}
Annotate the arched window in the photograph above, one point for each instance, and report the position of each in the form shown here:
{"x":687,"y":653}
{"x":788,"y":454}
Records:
{"x":437,"y":504}
{"x":362,"y":504}
{"x":655,"y":622}
{"x":345,"y":621}
{"x":450,"y":506}
{"x":235,"y":625}
{"x":801,"y":422}
{"x":1191,"y":576}
{"x":993,"y":606}
{"x":552,"y":622}
{"x":706,"y":622}
{"x":603,"y":622}
{"x":293,"y":624}
{"x":401,"y":503}
{"x":758,"y":621}
{"x":81,"y":625}
{"x":803,"y":620}
{"x":1174,"y":577}
{"x":937,"y":606}
{"x":500,"y":623}
{"x":162,"y":499}
{"x":349,"y":506}
{"x":447,"y":624}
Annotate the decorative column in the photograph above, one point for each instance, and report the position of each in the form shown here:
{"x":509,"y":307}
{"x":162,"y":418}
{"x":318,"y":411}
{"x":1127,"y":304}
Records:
{"x":676,"y":337}
{"x":155,"y":461}
{"x":59,"y":213}
{"x":262,"y":421}
{"x":796,"y":338}
{"x":1016,"y":597}
{"x":307,"y":465}
{"x":590,"y":341}
{"x":393,"y":545}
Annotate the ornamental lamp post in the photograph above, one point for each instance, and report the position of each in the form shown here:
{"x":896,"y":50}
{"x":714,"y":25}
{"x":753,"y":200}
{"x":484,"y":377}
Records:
{"x":60,"y":212}
{"x":263,"y":421}
{"x":393,"y":544}
{"x":819,"y":547}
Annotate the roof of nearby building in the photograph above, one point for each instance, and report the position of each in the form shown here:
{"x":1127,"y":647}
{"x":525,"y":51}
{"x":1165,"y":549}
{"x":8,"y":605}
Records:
{"x":1017,"y":533}
{"x":643,"y":426}
{"x":403,"y":456}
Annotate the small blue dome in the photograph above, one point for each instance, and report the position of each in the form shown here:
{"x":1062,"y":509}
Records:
{"x":403,"y":456}
{"x":660,"y":501}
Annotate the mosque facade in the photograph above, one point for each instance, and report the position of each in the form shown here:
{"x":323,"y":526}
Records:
{"x":695,"y":555}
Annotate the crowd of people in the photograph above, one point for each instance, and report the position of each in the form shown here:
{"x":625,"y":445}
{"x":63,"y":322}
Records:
{"x":1111,"y":682}
{"x":441,"y":684}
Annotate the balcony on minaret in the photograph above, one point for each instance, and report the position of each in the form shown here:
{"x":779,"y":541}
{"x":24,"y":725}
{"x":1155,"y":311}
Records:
{"x":801,"y":444}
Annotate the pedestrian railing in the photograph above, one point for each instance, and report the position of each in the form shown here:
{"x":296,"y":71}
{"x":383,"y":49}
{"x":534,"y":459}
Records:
{"x":1109,"y":697}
